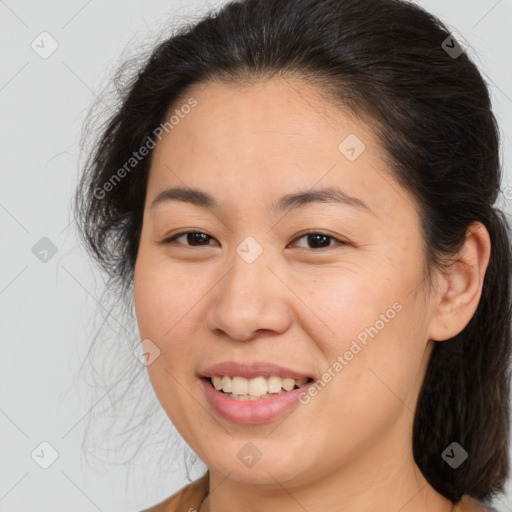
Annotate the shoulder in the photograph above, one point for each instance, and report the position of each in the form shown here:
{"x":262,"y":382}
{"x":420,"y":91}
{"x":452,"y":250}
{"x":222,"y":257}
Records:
{"x":189,"y":497}
{"x":192,"y":495}
{"x":469,"y":504}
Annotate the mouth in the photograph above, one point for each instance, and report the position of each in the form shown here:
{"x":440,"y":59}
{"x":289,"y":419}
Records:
{"x":253,"y":401}
{"x":253,"y":393}
{"x":258,"y":388}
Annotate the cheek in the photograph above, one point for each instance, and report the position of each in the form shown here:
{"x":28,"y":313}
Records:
{"x":163,"y":302}
{"x":374,"y":337}
{"x":168,"y":310}
{"x":371,"y":381}
{"x":163,"y":297}
{"x":347,"y":302}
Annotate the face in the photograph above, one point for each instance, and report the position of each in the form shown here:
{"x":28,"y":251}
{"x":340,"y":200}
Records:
{"x":344,"y":306}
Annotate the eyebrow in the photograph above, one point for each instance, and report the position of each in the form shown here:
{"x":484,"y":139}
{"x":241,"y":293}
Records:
{"x":287,"y":202}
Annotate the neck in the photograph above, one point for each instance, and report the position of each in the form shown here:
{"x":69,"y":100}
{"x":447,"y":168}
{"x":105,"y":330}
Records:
{"x":376,"y":481}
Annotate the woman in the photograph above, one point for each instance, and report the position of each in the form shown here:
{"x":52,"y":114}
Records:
{"x":302,"y":195}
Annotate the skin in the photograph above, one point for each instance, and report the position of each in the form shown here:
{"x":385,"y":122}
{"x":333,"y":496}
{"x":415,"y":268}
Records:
{"x":297,"y":305}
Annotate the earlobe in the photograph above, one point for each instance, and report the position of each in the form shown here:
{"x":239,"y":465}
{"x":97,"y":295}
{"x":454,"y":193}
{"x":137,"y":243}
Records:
{"x":462,"y":285}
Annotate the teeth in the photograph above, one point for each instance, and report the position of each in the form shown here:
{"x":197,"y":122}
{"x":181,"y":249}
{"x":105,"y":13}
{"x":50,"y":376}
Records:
{"x":254,"y":389}
{"x":274,"y":384}
{"x":288,"y":384}
{"x":239,"y":385}
{"x":225,"y":384}
{"x":257,"y":386}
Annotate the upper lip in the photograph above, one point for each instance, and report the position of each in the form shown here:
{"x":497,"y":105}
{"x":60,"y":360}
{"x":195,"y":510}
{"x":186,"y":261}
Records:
{"x":252,"y":370}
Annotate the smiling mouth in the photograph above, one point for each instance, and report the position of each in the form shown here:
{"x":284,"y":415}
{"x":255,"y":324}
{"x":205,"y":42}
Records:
{"x":240,"y":388}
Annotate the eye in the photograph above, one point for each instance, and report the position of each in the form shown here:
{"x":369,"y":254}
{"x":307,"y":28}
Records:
{"x":319,"y":240}
{"x":196,"y":238}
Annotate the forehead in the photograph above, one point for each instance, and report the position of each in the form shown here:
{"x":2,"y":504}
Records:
{"x":293,"y":110}
{"x":275,"y":135}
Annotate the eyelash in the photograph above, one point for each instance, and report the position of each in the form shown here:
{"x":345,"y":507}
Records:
{"x":302,"y":235}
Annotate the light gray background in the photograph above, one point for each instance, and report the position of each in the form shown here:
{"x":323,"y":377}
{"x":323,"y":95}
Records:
{"x":46,"y":308}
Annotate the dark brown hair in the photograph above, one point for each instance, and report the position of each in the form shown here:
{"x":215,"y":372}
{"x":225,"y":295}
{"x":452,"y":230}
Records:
{"x":386,"y":60}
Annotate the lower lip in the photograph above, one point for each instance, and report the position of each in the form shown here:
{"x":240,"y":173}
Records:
{"x":251,"y":411}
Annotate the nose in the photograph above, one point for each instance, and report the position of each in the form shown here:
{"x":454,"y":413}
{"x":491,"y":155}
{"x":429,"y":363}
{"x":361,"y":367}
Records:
{"x":250,"y":301}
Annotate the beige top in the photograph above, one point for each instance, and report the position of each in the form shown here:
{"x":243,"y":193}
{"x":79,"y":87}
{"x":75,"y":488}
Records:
{"x":192,"y":495}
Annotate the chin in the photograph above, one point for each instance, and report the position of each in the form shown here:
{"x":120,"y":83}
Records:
{"x":250,"y":465}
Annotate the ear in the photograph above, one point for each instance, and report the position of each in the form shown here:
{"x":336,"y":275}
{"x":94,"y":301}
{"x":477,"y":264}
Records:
{"x":461,"y":285}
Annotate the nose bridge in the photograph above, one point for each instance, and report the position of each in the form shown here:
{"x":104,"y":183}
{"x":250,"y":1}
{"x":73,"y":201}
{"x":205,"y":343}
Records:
{"x":250,"y":297}
{"x":250,"y":263}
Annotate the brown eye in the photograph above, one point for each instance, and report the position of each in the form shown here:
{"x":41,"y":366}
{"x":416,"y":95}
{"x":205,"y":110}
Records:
{"x":315,"y":239}
{"x":319,"y":240}
{"x":193,"y":238}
